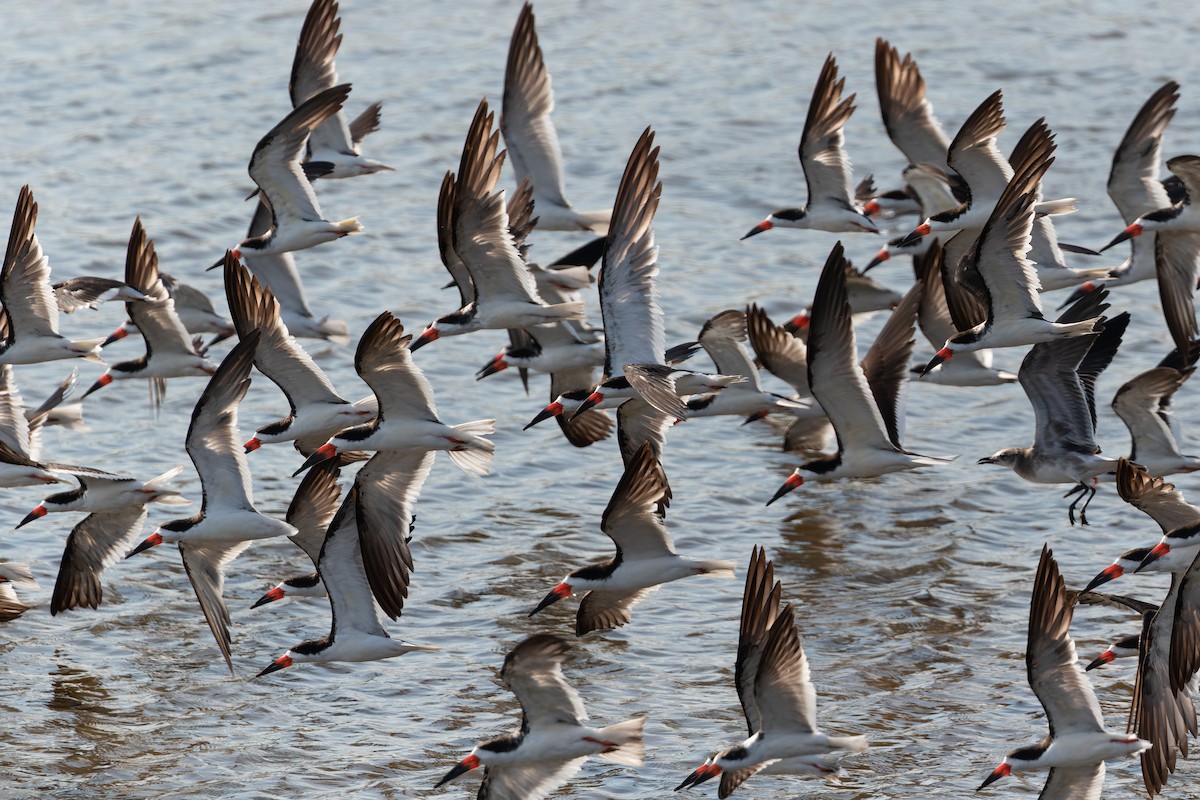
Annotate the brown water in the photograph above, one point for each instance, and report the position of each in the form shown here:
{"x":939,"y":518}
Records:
{"x":911,"y":590}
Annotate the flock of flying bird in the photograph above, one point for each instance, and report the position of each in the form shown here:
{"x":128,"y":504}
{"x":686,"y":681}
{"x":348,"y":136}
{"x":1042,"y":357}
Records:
{"x":983,"y":253}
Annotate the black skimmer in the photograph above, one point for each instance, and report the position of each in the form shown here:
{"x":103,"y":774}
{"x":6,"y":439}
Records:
{"x":170,"y":351}
{"x":635,"y":520}
{"x":554,"y":738}
{"x":13,"y":574}
{"x":28,"y":300}
{"x":88,"y":291}
{"x":826,"y":165}
{"x":312,"y":508}
{"x":315,"y":410}
{"x":1176,"y":253}
{"x":1134,"y":186}
{"x":938,"y":322}
{"x":505,"y":292}
{"x":333,"y":142}
{"x":1178,"y":216}
{"x":227,"y":521}
{"x":865,"y":403}
{"x":194,"y":309}
{"x":405,"y":434}
{"x":407,"y":421}
{"x":296,"y":219}
{"x":1078,"y":744}
{"x":1144,"y":404}
{"x":778,"y":698}
{"x":357,"y":633}
{"x":633,"y":320}
{"x":530,"y":136}
{"x":101,"y":492}
{"x":721,"y":337}
{"x":997,"y":271}
{"x":1059,"y":379}
{"x":278,"y":273}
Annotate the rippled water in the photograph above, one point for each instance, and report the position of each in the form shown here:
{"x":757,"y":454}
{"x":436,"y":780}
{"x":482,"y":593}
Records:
{"x":911,"y":590}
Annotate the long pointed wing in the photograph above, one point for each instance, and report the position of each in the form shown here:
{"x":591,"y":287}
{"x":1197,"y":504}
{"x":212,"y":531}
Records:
{"x":14,"y":428}
{"x":629,"y":304}
{"x":1177,"y":264}
{"x":973,"y":153}
{"x":482,"y":238}
{"x":1050,"y":660}
{"x":530,"y":781}
{"x":342,"y":569}
{"x":907,"y":114}
{"x":783,"y":355}
{"x":313,"y":71}
{"x":999,"y":255}
{"x":212,"y":438}
{"x":760,"y":608}
{"x":636,"y":513}
{"x":533,"y":670}
{"x":388,"y":487}
{"x":836,"y":380}
{"x":722,"y":337}
{"x":94,"y":545}
{"x":279,"y":356}
{"x":525,"y":120}
{"x":1158,"y":714}
{"x":1050,"y":379}
{"x":822,"y":145}
{"x":275,"y":163}
{"x":25,"y":291}
{"x":783,"y":688}
{"x":1142,"y":404}
{"x":1074,"y":783}
{"x":313,"y":506}
{"x":1133,"y":182}
{"x":384,"y":362}
{"x":1154,"y":496}
{"x":886,"y":364}
{"x":640,"y":423}
{"x":155,"y":317}
{"x":205,"y":565}
{"x":606,"y":610}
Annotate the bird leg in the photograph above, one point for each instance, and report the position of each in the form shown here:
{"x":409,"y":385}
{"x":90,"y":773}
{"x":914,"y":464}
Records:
{"x":1083,"y":490}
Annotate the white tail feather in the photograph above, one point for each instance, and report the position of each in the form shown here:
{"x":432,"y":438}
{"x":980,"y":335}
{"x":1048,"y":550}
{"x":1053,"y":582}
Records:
{"x":573,"y":310}
{"x":348,"y":226}
{"x":855,"y":744}
{"x":475,"y":457}
{"x":717,"y":569}
{"x":628,"y":736}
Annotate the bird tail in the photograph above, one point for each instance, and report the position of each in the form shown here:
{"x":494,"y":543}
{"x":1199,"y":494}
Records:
{"x":1054,"y":208}
{"x":474,"y":456}
{"x":854,"y":744}
{"x":162,"y":494}
{"x":629,"y":750}
{"x":717,"y":569}
{"x":335,"y":330}
{"x":91,"y":349}
{"x":933,"y":461}
{"x":346,"y":227}
{"x":572,"y":310}
{"x":1066,"y":329}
